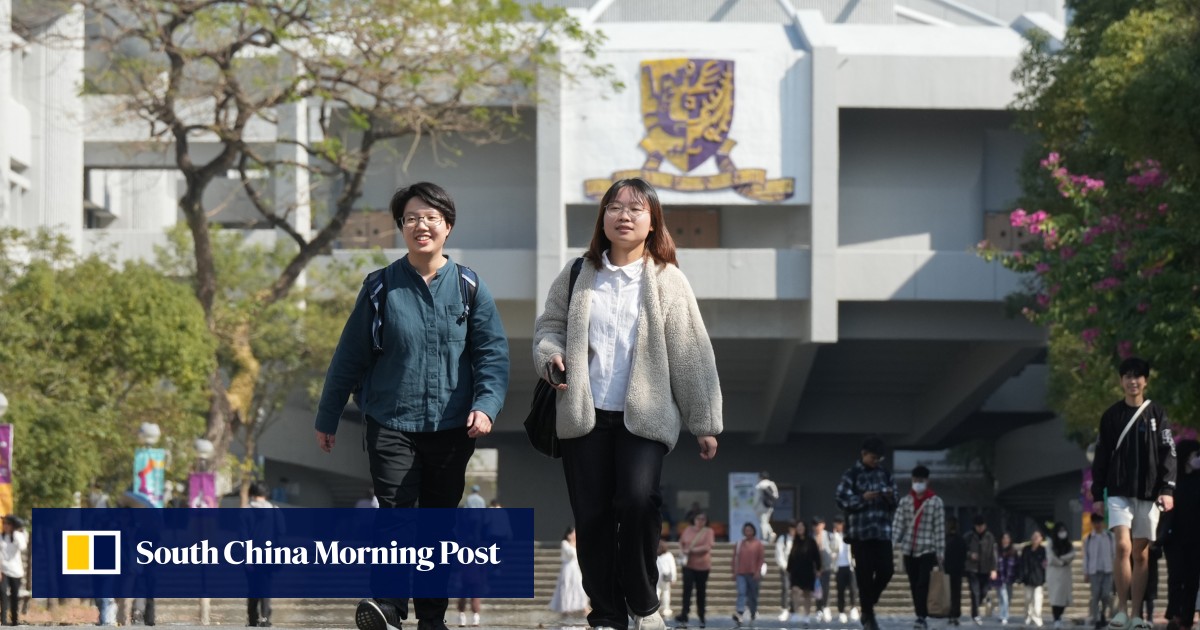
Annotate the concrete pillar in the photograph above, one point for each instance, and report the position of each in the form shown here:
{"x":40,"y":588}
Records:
{"x":292,"y":184}
{"x":6,"y":41}
{"x":52,"y":80}
{"x":551,"y":208}
{"x":823,"y":302}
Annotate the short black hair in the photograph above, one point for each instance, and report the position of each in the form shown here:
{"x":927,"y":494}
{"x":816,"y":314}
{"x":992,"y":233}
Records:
{"x":817,"y":520}
{"x":839,"y":519}
{"x":258,"y":489}
{"x":979,"y":520}
{"x":920,"y":472}
{"x":764,"y":475}
{"x":430,"y":193}
{"x":1134,"y":366}
{"x":1097,"y":518}
{"x":873,"y":445}
{"x":750,"y":525}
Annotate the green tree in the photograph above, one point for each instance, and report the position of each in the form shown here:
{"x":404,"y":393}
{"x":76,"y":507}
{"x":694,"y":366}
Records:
{"x":89,"y":351}
{"x":292,"y":338}
{"x":383,"y":75}
{"x":1113,"y":195}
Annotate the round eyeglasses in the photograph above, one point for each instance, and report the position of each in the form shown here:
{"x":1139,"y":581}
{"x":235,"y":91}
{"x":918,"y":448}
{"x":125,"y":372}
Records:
{"x":411,"y":220}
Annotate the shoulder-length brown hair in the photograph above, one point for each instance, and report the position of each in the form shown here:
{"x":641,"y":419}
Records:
{"x":659,"y":244}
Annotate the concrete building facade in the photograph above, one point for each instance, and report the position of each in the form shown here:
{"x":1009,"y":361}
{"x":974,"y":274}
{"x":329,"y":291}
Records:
{"x":828,"y":167}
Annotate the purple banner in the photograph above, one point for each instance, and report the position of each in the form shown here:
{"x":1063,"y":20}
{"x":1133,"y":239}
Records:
{"x":202,"y":490}
{"x":6,"y":445}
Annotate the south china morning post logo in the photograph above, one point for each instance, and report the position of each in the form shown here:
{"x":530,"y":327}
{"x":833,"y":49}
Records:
{"x":296,"y":552}
{"x":91,"y":552}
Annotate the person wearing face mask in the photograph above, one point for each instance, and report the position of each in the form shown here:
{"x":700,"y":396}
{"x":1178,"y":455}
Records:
{"x":1059,"y":584}
{"x":1181,"y":540}
{"x":919,"y":534}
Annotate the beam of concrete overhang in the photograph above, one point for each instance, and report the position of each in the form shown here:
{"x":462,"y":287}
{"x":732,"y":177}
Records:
{"x":965,"y":383}
{"x":789,"y":375}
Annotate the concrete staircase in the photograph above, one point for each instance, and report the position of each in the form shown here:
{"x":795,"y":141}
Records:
{"x":722,"y":594}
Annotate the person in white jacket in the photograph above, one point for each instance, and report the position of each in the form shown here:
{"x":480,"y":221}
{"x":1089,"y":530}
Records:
{"x":13,"y":542}
{"x":667,"y":574}
{"x":783,"y":549}
{"x":626,"y":348}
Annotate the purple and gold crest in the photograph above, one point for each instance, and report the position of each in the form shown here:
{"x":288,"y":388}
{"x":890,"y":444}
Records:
{"x":687,"y":109}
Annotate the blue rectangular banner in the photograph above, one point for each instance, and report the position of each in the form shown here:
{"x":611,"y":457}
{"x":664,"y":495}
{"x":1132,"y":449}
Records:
{"x":282,"y":553}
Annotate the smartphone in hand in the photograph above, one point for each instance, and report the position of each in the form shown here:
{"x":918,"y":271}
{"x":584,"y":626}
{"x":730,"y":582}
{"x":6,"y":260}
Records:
{"x":557,"y":376}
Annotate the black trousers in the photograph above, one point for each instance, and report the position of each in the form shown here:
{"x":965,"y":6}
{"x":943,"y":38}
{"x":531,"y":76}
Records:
{"x":413,"y":469}
{"x":613,"y":483}
{"x":873,"y":568}
{"x":699,"y":579}
{"x":918,"y":569}
{"x":979,"y":583}
{"x":258,"y":608}
{"x":10,"y":591}
{"x":846,"y":583}
{"x":956,"y":580}
{"x":1183,"y":579}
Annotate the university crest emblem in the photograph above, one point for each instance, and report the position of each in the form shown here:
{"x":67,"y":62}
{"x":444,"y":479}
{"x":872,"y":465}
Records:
{"x":687,"y":109}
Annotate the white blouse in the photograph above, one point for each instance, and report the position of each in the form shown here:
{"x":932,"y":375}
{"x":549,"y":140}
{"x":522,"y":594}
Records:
{"x":612,"y":331}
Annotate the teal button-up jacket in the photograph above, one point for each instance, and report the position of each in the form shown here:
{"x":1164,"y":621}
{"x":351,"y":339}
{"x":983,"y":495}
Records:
{"x":435,"y":368}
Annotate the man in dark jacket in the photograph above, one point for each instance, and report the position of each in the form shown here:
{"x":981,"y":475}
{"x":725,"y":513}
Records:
{"x":1135,"y":465}
{"x":1181,"y":540}
{"x":981,"y":564}
{"x":867,"y":493}
{"x":956,"y":562}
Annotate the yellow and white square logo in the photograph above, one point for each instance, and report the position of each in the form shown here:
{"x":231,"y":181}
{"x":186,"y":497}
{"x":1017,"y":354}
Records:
{"x":91,"y":552}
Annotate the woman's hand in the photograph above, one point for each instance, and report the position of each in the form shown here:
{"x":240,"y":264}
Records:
{"x":556,"y":373}
{"x":708,"y":445}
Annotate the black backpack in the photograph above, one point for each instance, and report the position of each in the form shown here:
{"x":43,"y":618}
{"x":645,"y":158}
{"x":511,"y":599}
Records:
{"x":768,"y":499}
{"x":377,"y":290}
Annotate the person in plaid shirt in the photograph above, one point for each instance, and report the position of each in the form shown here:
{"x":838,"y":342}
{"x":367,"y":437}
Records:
{"x":919,"y":534}
{"x":867,"y":493}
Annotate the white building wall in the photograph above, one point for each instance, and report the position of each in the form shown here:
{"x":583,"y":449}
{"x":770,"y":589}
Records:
{"x":494,"y":186}
{"x":139,"y":199}
{"x":51,"y":84}
{"x":915,"y":180}
{"x":6,"y":106}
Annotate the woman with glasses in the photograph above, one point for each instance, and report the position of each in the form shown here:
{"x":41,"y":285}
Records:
{"x":633,"y":364}
{"x":431,"y":358}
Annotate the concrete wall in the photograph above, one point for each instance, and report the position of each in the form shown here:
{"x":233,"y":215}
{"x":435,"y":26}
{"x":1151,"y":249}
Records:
{"x":493,"y":186}
{"x":915,"y":180}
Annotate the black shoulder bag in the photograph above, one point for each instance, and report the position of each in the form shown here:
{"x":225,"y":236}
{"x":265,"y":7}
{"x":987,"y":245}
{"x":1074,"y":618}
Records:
{"x":540,"y":423}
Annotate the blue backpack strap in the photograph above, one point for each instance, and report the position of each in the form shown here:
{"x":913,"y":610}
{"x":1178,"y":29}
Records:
{"x":468,"y":286}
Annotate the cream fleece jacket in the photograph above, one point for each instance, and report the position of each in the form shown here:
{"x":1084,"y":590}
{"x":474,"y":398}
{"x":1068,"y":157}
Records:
{"x":673,"y":380}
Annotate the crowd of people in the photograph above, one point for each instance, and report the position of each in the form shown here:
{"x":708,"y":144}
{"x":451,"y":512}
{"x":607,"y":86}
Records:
{"x":622,"y":341}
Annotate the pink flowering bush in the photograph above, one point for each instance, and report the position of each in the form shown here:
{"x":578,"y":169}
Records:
{"x":1105,"y":270}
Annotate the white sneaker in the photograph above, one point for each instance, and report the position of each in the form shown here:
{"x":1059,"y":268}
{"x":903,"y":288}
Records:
{"x":842,"y":618}
{"x":653,"y":621}
{"x":854,"y":614}
{"x":784,"y":614}
{"x":475,"y":620}
{"x":462,"y":620}
{"x":1058,"y":624}
{"x":827,"y":615}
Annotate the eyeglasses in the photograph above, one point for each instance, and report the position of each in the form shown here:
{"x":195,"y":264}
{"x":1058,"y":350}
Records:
{"x":616,"y":210}
{"x":411,"y":220}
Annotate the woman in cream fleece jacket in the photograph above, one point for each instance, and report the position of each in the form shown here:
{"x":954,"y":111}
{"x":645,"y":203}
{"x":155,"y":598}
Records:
{"x":633,"y":364}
